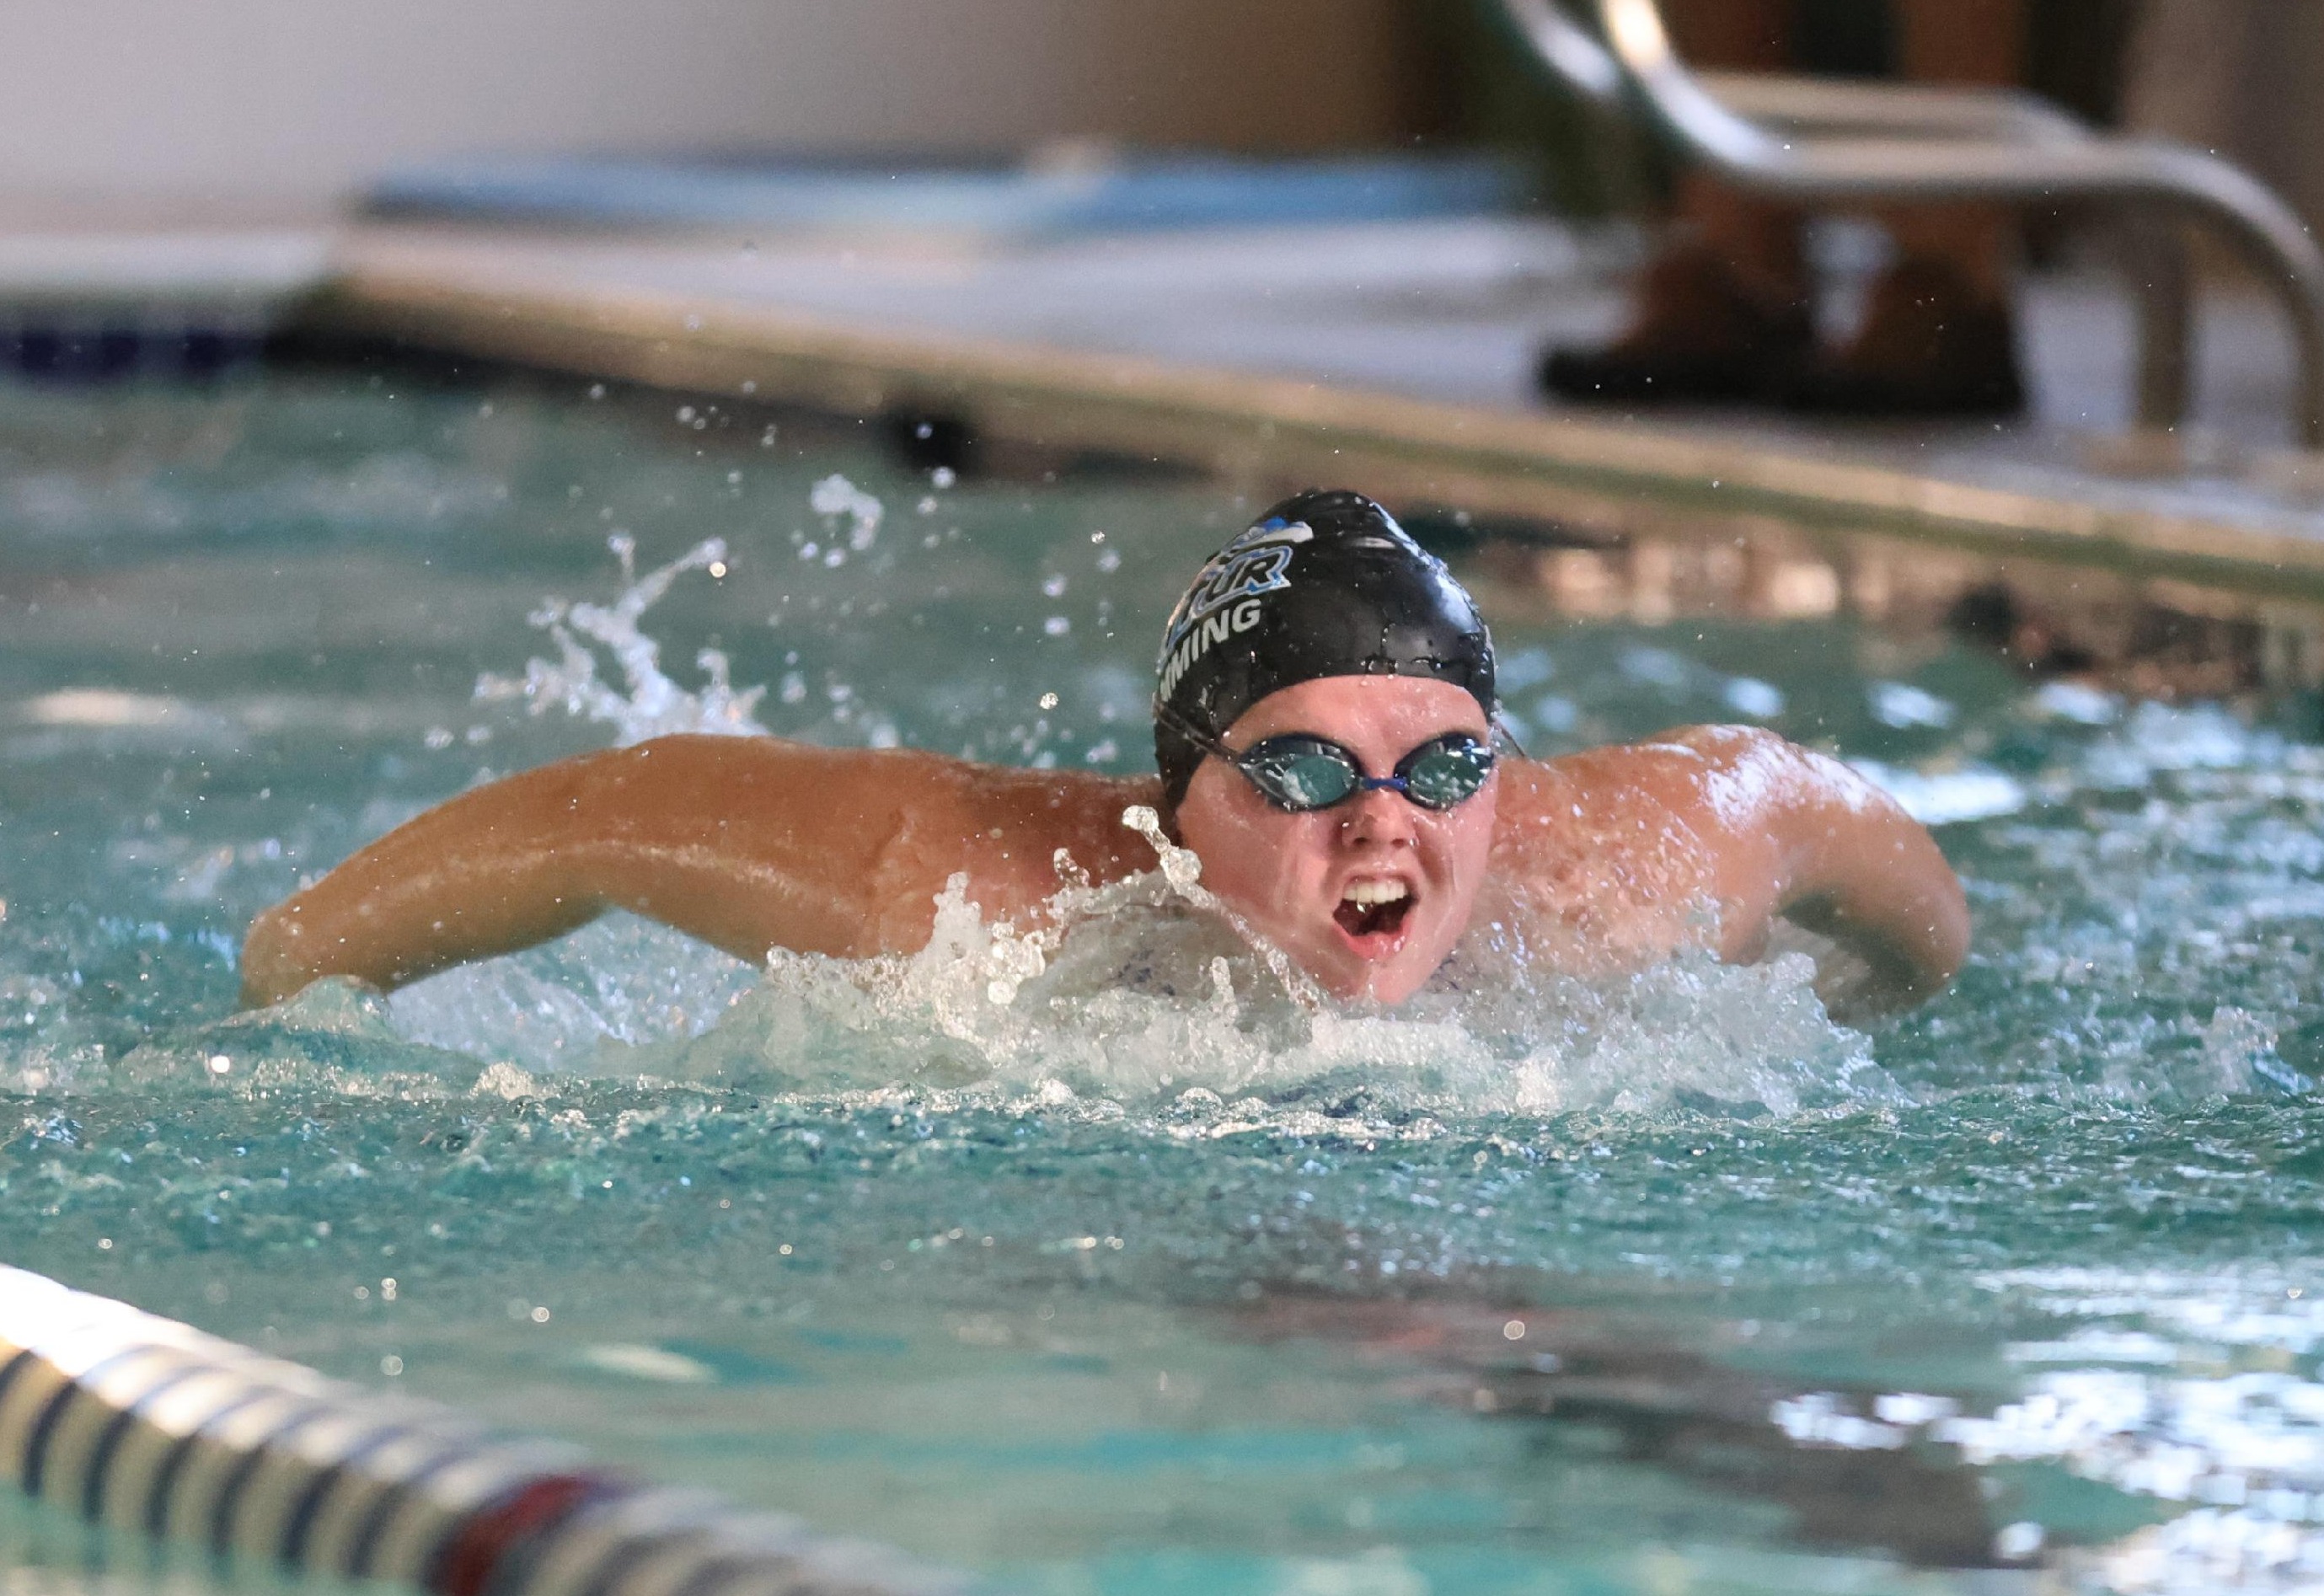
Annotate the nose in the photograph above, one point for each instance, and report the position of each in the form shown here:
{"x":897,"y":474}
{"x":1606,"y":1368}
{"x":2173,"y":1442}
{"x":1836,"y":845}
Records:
{"x":1379,"y":818}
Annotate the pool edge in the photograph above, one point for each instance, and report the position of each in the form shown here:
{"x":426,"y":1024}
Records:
{"x":1263,"y":431}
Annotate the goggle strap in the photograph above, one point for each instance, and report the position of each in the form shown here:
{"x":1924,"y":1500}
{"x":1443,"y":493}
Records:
{"x":1504,"y":727}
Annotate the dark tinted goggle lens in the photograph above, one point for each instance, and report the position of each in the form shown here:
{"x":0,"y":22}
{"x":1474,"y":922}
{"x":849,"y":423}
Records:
{"x":1306,"y":773}
{"x":1302,"y":772}
{"x":1447,"y":771}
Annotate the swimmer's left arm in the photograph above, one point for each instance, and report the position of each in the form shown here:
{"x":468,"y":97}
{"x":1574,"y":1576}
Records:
{"x":1788,"y":832}
{"x":1628,"y":846}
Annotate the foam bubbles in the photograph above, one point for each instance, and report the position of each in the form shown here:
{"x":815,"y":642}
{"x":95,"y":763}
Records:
{"x":1131,"y":997}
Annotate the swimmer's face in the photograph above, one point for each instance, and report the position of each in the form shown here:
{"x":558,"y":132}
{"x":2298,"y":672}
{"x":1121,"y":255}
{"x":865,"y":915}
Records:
{"x":1368,"y":896}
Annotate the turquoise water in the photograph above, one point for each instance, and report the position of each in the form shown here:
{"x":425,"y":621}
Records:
{"x":1664,"y":1285}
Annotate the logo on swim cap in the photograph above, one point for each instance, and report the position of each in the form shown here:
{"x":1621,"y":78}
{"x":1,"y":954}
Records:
{"x":1252,"y":563}
{"x":1326,"y":584}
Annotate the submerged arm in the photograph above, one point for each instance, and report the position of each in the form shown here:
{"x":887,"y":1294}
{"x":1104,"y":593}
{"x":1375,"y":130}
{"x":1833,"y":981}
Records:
{"x":748,"y":844}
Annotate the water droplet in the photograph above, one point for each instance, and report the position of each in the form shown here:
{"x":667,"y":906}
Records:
{"x":836,"y":496}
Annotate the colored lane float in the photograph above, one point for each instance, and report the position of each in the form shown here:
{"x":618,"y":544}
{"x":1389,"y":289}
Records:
{"x":150,"y":1426}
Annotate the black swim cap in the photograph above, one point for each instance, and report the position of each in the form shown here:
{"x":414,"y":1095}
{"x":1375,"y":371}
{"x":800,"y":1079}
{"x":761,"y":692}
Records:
{"x":1324,"y":584}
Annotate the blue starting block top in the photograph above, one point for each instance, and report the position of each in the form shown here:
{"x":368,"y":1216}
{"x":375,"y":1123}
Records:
{"x":1136,"y":194}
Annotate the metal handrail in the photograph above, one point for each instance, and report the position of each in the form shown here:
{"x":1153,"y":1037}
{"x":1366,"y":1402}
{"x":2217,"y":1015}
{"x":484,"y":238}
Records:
{"x":1834,"y":104}
{"x":1572,"y":57}
{"x":1981,"y":146}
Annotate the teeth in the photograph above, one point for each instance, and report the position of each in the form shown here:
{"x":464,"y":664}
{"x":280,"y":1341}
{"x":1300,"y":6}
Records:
{"x":1364,"y":894}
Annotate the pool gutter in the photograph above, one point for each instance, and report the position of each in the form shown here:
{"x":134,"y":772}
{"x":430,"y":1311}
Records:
{"x":1263,"y":430}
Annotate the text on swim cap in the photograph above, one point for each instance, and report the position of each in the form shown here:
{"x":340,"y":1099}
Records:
{"x":1214,"y":629}
{"x":1254,"y":563}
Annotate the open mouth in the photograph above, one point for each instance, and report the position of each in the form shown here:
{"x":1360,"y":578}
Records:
{"x":1370,"y":910}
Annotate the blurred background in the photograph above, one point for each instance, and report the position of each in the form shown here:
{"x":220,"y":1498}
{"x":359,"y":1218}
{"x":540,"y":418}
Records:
{"x":167,"y":167}
{"x":288,"y":106}
{"x":257,"y":107}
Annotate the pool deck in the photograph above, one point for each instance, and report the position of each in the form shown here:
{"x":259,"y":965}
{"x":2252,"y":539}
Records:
{"x":1395,"y":357}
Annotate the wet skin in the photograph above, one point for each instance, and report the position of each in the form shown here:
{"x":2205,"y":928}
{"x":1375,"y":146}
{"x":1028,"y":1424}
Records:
{"x":1601,"y":861}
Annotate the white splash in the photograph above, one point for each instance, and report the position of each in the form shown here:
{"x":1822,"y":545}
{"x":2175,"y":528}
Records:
{"x":2155,"y":738}
{"x":1182,"y":871}
{"x":653,"y":706}
{"x":619,"y":982}
{"x":1904,"y":706}
{"x":1136,"y":998}
{"x":1946,"y":797}
{"x":836,"y":496}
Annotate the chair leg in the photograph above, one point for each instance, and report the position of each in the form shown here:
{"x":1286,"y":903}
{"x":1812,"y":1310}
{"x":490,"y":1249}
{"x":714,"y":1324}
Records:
{"x":2156,"y":259}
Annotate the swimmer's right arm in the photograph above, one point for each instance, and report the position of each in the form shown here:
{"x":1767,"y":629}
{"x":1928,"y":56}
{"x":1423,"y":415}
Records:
{"x":750,"y":844}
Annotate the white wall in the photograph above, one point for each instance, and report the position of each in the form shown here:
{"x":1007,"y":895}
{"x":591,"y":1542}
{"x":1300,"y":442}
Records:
{"x":272,"y":104}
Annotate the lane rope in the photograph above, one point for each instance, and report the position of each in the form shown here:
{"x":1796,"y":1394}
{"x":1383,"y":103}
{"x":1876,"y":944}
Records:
{"x":152,"y":1427}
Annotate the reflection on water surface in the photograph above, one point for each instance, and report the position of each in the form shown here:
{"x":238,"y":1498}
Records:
{"x":1126,"y":1288}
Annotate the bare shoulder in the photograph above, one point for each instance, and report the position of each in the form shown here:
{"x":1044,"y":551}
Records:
{"x":1596,"y":852}
{"x":1005,"y":826}
{"x":1719,"y":773}
{"x":1707,"y":834}
{"x":1646,"y":845}
{"x":1724,"y":778}
{"x":1723,"y":789}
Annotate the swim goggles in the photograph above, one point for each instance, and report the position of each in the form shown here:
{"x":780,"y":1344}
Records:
{"x":1300,"y":772}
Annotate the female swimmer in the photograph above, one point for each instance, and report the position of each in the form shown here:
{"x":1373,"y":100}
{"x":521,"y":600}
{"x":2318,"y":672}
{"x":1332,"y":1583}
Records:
{"x":1323,"y":725}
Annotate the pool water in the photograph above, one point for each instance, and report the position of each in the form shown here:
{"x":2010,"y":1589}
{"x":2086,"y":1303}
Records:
{"x":1172,"y":1285}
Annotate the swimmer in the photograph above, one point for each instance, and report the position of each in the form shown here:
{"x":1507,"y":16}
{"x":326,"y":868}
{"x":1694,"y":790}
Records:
{"x":1325,"y":729}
